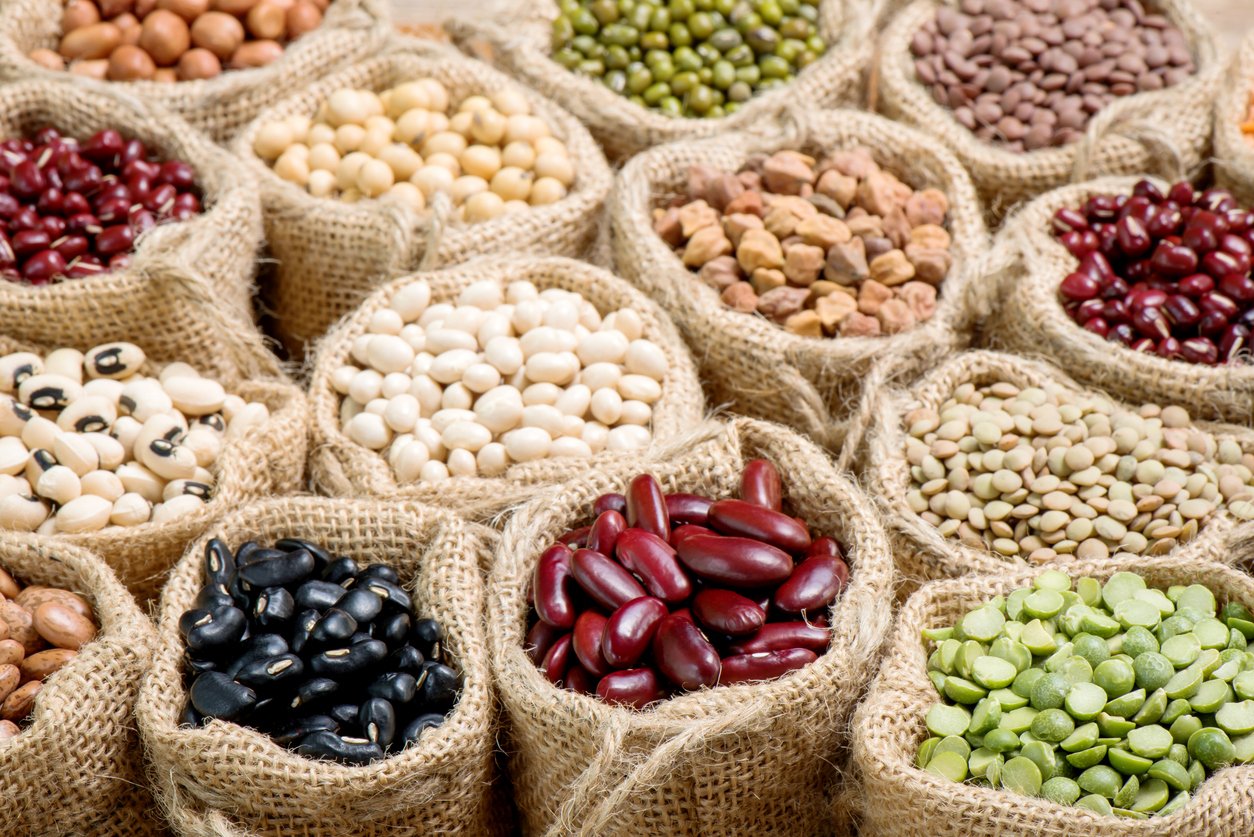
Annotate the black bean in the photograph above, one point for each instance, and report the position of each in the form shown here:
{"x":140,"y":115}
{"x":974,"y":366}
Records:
{"x":217,"y":696}
{"x":359,"y":637}
{"x":408,"y":659}
{"x":345,"y":713}
{"x":274,"y":606}
{"x":440,"y":685}
{"x":190,"y":618}
{"x":189,"y":717}
{"x":321,"y":556}
{"x":377,"y":720}
{"x":340,"y":570}
{"x":391,"y":594}
{"x":382,"y":571}
{"x":291,"y":732}
{"x":287,"y":568}
{"x":315,"y":692}
{"x":213,"y":596}
{"x":244,"y":554}
{"x":362,"y":605}
{"x":240,"y":594}
{"x":341,"y":661}
{"x":265,"y":713}
{"x":426,"y":634}
{"x":318,"y":594}
{"x":334,"y":627}
{"x":219,"y":562}
{"x":301,"y":629}
{"x":195,"y":666}
{"x":395,"y":686}
{"x":393,"y":629}
{"x":272,"y":673}
{"x":259,"y":647}
{"x":215,"y":632}
{"x":415,"y":727}
{"x":324,"y":744}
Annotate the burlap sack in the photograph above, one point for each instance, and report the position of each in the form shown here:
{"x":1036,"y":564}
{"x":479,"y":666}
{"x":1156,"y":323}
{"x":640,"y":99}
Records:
{"x":351,"y":30}
{"x":747,"y":361}
{"x":1166,"y":131}
{"x":921,"y":552}
{"x":220,"y":245}
{"x":342,"y":468}
{"x":1032,"y":321}
{"x":225,"y":780}
{"x":523,"y":48}
{"x":332,"y":254}
{"x":900,"y":799}
{"x":751,"y":759}
{"x":77,"y":770}
{"x":1234,"y":154}
{"x":265,"y":460}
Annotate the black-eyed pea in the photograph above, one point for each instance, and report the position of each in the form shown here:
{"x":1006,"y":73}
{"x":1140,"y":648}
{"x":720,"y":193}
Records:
{"x":14,"y":485}
{"x":204,"y":443}
{"x":195,"y":396}
{"x":138,"y":479}
{"x":68,"y":363}
{"x":18,"y":705}
{"x":48,"y":391}
{"x":130,"y":509}
{"x":42,"y":665}
{"x":17,"y":367}
{"x":75,"y":453}
{"x":179,"y":488}
{"x":104,"y":484}
{"x":22,"y":513}
{"x":89,"y":414}
{"x":85,"y":513}
{"x":13,"y":416}
{"x":40,"y":460}
{"x":124,"y":431}
{"x":39,"y":433}
{"x":14,"y":456}
{"x":168,"y":460}
{"x":177,"y":508}
{"x":59,"y":485}
{"x":143,"y":398}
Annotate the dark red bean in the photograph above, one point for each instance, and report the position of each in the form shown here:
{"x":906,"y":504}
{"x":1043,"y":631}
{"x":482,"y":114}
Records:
{"x":1237,"y":287}
{"x":1219,"y":303}
{"x":580,"y":681}
{"x":727,"y":612}
{"x":1070,"y":220}
{"x":113,"y":210}
{"x":646,"y":507}
{"x":766,"y":665}
{"x":1143,"y":296}
{"x":776,"y":636}
{"x":540,"y":639}
{"x":688,"y":508}
{"x":738,"y":562}
{"x":748,"y":520}
{"x":1235,"y":338}
{"x":681,"y":532}
{"x":43,"y":266}
{"x":630,"y":630}
{"x":27,"y":180}
{"x":1181,"y":310}
{"x":103,"y":146}
{"x":813,"y":585}
{"x":610,"y":502}
{"x":653,"y":559}
{"x":684,"y":656}
{"x":1196,"y":284}
{"x":558,"y":659}
{"x":1181,"y":193}
{"x":71,"y":246}
{"x":1147,"y":344}
{"x":1169,"y":348}
{"x":1174,"y":259}
{"x":605,"y":581}
{"x":1202,"y":232}
{"x":1147,"y":189}
{"x":1212,"y":324}
{"x":823,"y":546}
{"x":636,"y":687}
{"x":1098,"y":326}
{"x":1199,"y":350}
{"x":760,"y":484}
{"x":605,"y":531}
{"x":1134,"y":240}
{"x":588,"y":633}
{"x":551,"y":586}
{"x":178,"y":174}
{"x":1078,"y":286}
{"x":28,"y":242}
{"x":576,"y":538}
{"x":1151,"y":323}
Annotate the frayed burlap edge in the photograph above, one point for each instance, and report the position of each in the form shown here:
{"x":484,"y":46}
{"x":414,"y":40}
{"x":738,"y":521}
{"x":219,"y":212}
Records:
{"x":1234,"y":152}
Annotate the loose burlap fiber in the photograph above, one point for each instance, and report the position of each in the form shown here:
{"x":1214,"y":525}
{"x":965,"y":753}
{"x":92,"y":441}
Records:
{"x":332,"y":254}
{"x":1166,"y":131}
{"x":754,"y":759}
{"x":265,"y":460}
{"x":900,"y":800}
{"x":225,"y":780}
{"x":922,"y":554}
{"x":351,"y":31}
{"x":341,"y":467}
{"x":756,"y":366}
{"x":1234,"y":153}
{"x":77,"y":770}
{"x":1032,"y":321}
{"x":523,"y":49}
{"x":220,"y":244}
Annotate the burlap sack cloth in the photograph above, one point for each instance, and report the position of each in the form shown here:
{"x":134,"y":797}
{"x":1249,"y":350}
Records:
{"x":747,"y":361}
{"x":342,"y":468}
{"x":265,"y":460}
{"x":332,"y":254}
{"x":1164,"y":130}
{"x":1234,"y":153}
{"x":220,"y":245}
{"x":77,"y":769}
{"x":899,"y":799}
{"x":523,"y":47}
{"x":922,"y":554}
{"x":351,"y":30}
{"x":752,"y":759}
{"x":225,"y":780}
{"x":1031,"y":320}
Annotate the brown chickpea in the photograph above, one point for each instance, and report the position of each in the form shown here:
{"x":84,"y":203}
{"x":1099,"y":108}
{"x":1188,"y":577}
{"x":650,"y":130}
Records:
{"x":189,"y":10}
{"x":198,"y":64}
{"x":48,"y":59}
{"x":267,"y":20}
{"x":303,"y":17}
{"x":79,"y":13}
{"x":91,"y":42}
{"x":219,"y":33}
{"x":239,"y":8}
{"x":130,"y":63}
{"x":113,"y":8}
{"x":97,"y":69}
{"x":165,"y":37}
{"x":143,"y":8}
{"x":256,"y":54}
{"x":130,"y":26}
{"x":165,"y":75}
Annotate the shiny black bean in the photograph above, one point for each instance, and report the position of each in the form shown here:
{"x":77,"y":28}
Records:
{"x":287,"y":568}
{"x":259,"y":647}
{"x":426,"y":634}
{"x":219,"y":562}
{"x":415,"y":727}
{"x":190,"y":618}
{"x":293,"y":731}
{"x":302,"y":627}
{"x":345,"y":714}
{"x":274,"y":607}
{"x":215,"y":695}
{"x":392,"y":595}
{"x":321,"y":556}
{"x":318,"y":594}
{"x":213,"y":596}
{"x":195,"y":666}
{"x":328,"y":745}
{"x":216,"y":631}
{"x":359,"y":637}
{"x":240,"y":594}
{"x":382,"y":571}
{"x":440,"y":685}
{"x":393,"y":629}
{"x":315,"y":692}
{"x":265,"y":713}
{"x":377,"y":720}
{"x":340,"y":570}
{"x":273,"y":673}
{"x":395,"y":686}
{"x":362,"y":605}
{"x":341,"y":661}
{"x":246,"y":552}
{"x":407,"y":659}
{"x":334,"y":627}
{"x":189,"y":717}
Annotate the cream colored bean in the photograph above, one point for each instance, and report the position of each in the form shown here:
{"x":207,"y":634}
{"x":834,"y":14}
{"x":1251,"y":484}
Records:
{"x":628,"y":437}
{"x":85,"y":513}
{"x":402,"y":413}
{"x":527,"y":444}
{"x":492,"y":459}
{"x":370,"y":431}
{"x":103,"y":484}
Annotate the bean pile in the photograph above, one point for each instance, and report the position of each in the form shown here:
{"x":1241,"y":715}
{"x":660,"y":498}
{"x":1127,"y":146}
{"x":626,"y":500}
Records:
{"x":71,"y":209}
{"x":1030,"y":74}
{"x":491,"y":156}
{"x":692,"y":58}
{"x":176,"y":40}
{"x":121,"y":448}
{"x":668,"y":594}
{"x":500,"y":377}
{"x":1044,"y":472}
{"x":326,"y":657}
{"x":839,"y":248}
{"x":1119,"y":698}
{"x":1167,"y":274}
{"x":41,"y":630}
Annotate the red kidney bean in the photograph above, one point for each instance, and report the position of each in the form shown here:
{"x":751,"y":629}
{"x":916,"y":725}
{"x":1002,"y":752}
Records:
{"x":766,"y":665}
{"x":739,"y":562}
{"x":558,"y":659}
{"x":605,"y":531}
{"x":630,"y":630}
{"x":579,"y":680}
{"x":115,"y":239}
{"x":606,"y":582}
{"x":813,"y":585}
{"x":551,"y":585}
{"x":610,"y":502}
{"x":41,"y":267}
{"x":653,"y":559}
{"x":576,"y":538}
{"x":684,"y":656}
{"x":737,"y":517}
{"x":823,"y":546}
{"x":588,"y":634}
{"x":636,"y":687}
{"x":760,"y":484}
{"x":726,"y":612}
{"x":1078,"y":286}
{"x":776,"y":636}
{"x":646,"y":507}
{"x":688,"y":508}
{"x":681,"y":532}
{"x":540,"y":639}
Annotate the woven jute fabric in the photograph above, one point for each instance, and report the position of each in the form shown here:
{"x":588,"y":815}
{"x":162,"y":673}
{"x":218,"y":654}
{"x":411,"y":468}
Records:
{"x":332,"y":254}
{"x":1166,"y":131}
{"x":756,"y":366}
{"x":900,"y":800}
{"x":77,"y":769}
{"x":350,"y":31}
{"x":753,"y":759}
{"x":265,"y":460}
{"x":524,"y":48}
{"x":225,"y":780}
{"x":220,"y":244}
{"x":1234,"y":153}
{"x":341,"y":467}
{"x":922,"y":554}
{"x":1032,"y":321}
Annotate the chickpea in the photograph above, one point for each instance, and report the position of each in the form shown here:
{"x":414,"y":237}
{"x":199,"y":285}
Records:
{"x":375,"y":142}
{"x":546,"y":190}
{"x":349,"y":138}
{"x":374,"y":178}
{"x":556,"y":166}
{"x":403,"y":160}
{"x":474,"y":104}
{"x":518,"y":154}
{"x":465,"y":186}
{"x":324,"y":157}
{"x":272,"y":139}
{"x":345,"y":107}
{"x":411,"y":126}
{"x":512,"y":184}
{"x":483,"y":206}
{"x":488,"y":127}
{"x":408,"y":195}
{"x":198,"y":63}
{"x":510,"y":102}
{"x":346,"y":172}
{"x":431,"y":179}
{"x":321,"y":133}
{"x":447,"y":161}
{"x":321,"y":183}
{"x":481,"y":160}
{"x":446,"y":142}
{"x":526,"y":128}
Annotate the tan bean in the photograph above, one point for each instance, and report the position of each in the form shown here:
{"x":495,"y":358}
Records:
{"x":62,"y":627}
{"x":198,"y":64}
{"x":8,"y":729}
{"x":33,"y":596}
{"x":303,"y":17}
{"x":9,"y":588}
{"x":165,"y":37}
{"x":131,"y":63}
{"x":239,"y":8}
{"x":21,"y":627}
{"x":189,"y":10}
{"x":219,"y":33}
{"x":97,"y":40}
{"x":79,"y":13}
{"x":256,"y":54}
{"x":267,"y":20}
{"x":10,"y":679}
{"x":11,"y":652}
{"x":18,"y":705}
{"x":39,"y":666}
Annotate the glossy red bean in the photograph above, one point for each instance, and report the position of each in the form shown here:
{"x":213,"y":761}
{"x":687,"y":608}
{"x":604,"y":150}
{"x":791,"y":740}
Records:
{"x":653,"y":559}
{"x":1174,"y":259}
{"x":688,"y":509}
{"x":586,"y":642}
{"x":27,"y":180}
{"x":1098,"y":326}
{"x":1199,"y":350}
{"x":178,"y":174}
{"x":1235,"y":338}
{"x":1070,"y":220}
{"x":747,"y":520}
{"x":681,"y":532}
{"x":1151,"y":323}
{"x":1196,"y":284}
{"x":1169,"y":348}
{"x":43,"y":266}
{"x":823,"y":546}
{"x":576,"y":538}
{"x":646,"y":507}
{"x":1202,"y":232}
{"x":103,"y":146}
{"x":766,"y":665}
{"x":684,"y":656}
{"x":1078,"y":286}
{"x":776,"y":636}
{"x":630,"y":629}
{"x":29,"y":242}
{"x":737,"y":562}
{"x":1237,"y":287}
{"x":71,"y":246}
{"x":1219,"y":303}
{"x":760,"y":484}
{"x":605,"y":531}
{"x":727,"y":612}
{"x":558,"y":659}
{"x":610,"y":502}
{"x":579,"y":680}
{"x":604,"y":580}
{"x":813,"y":585}
{"x":635,"y":687}
{"x":1181,"y":310}
{"x":1134,"y":239}
{"x":540,"y":639}
{"x":551,"y":587}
